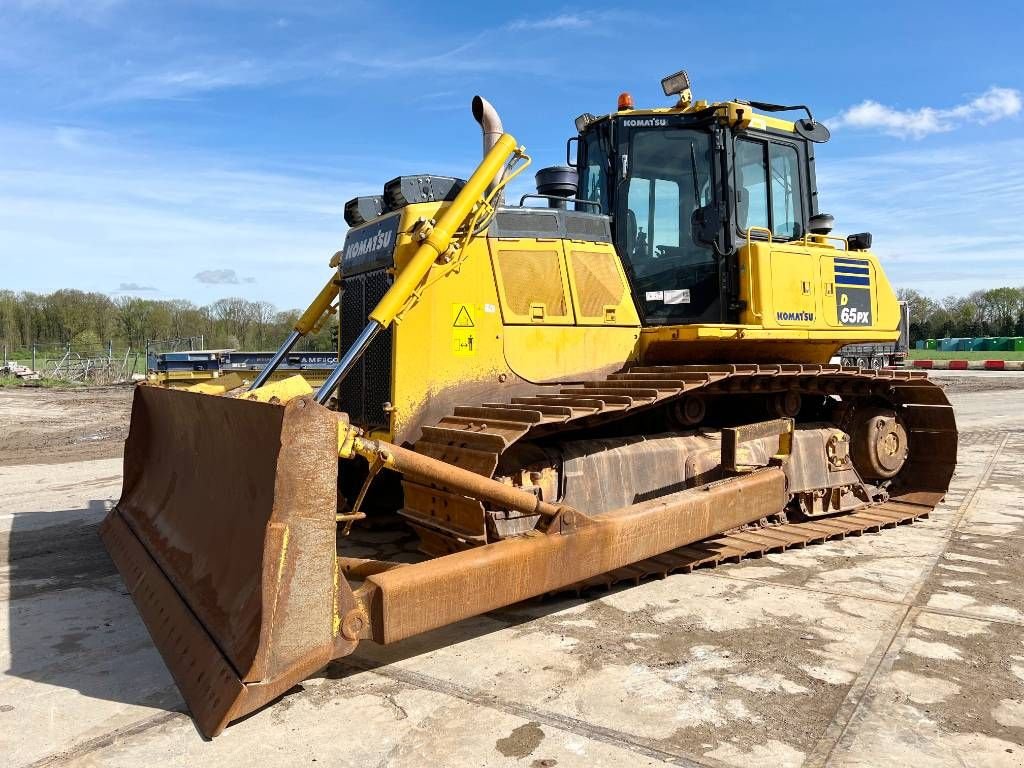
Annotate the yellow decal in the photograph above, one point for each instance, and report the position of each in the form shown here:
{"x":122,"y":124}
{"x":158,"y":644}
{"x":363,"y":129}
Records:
{"x":464,"y":335}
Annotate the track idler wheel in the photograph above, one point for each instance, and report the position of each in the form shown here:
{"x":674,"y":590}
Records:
{"x":688,"y":412}
{"x":785,"y":404}
{"x":878,"y":444}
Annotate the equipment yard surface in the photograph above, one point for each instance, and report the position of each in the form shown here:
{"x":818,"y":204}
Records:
{"x":902,"y":648}
{"x":62,"y":425}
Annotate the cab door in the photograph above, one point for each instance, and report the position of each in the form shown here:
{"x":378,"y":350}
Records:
{"x":794,"y":285}
{"x":667,"y":176}
{"x":770,"y":183}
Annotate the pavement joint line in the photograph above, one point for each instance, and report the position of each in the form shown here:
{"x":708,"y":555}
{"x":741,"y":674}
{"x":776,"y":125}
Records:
{"x":964,"y":532}
{"x":868,"y":598}
{"x":882,"y":600}
{"x":983,"y":479}
{"x":821,"y":755}
{"x":107,"y":739}
{"x":566,"y":723}
{"x":971,"y":616}
{"x":885,"y":664}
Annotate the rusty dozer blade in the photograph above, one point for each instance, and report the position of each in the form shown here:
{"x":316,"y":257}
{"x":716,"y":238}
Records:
{"x":226,"y":537}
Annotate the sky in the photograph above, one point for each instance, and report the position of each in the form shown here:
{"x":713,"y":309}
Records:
{"x":206,"y":149}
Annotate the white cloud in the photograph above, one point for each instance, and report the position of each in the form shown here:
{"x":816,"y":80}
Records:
{"x":994,"y":104}
{"x":195,"y":78}
{"x":218,"y":277}
{"x":134,"y":288}
{"x":563,"y":21}
{"x":95,"y":212}
{"x":594,"y":22}
{"x":944,"y":221}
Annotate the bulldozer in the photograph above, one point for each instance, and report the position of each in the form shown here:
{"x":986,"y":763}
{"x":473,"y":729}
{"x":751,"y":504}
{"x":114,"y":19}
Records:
{"x":623,"y":375}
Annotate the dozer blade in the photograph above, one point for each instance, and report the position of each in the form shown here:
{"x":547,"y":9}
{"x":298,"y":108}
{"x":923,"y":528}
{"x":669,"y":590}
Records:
{"x":225,"y":537}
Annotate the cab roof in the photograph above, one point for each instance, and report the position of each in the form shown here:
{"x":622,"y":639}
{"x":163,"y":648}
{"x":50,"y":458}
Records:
{"x":730,"y":111}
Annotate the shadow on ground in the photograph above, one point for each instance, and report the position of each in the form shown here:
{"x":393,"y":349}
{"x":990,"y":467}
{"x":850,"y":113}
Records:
{"x":71,"y":622}
{"x":73,"y":625}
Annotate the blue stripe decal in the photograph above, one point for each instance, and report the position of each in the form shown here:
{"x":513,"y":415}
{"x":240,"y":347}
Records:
{"x":840,"y":270}
{"x":852,"y":262}
{"x":845,"y":280}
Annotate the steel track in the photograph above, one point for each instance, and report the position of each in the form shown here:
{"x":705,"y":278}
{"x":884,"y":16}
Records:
{"x":474,"y":437}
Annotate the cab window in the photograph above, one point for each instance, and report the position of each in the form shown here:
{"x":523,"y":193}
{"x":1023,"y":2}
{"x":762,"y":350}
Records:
{"x":768,"y":188}
{"x":674,"y":275}
{"x":751,"y":185}
{"x":785,"y":191}
{"x":654,"y":206}
{"x":593,"y":173}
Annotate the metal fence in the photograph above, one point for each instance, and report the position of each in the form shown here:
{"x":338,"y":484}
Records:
{"x":84,"y":365}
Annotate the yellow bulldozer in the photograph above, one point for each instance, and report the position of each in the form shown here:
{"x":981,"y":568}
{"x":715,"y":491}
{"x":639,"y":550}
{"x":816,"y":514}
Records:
{"x":624,"y":375}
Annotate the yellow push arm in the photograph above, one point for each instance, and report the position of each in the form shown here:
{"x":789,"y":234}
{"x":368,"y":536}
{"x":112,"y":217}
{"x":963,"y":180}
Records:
{"x":309,"y":321}
{"x":435,"y":241}
{"x":321,"y":304}
{"x":438,"y":238}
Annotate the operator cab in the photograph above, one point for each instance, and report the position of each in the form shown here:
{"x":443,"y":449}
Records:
{"x":685,"y":187}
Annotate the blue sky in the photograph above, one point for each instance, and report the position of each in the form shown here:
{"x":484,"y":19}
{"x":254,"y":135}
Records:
{"x":204,"y":149}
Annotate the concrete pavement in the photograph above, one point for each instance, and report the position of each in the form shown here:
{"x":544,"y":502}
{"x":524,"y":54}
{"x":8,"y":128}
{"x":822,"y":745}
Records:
{"x":903,"y":648}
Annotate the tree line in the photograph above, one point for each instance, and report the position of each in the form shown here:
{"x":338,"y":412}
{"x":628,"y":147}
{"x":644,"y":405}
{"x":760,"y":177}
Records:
{"x":995,"y":312}
{"x":88,"y":320}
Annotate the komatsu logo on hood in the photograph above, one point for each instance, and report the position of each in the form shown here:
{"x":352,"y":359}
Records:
{"x":375,"y":241}
{"x":645,"y":122}
{"x":799,"y":317}
{"x":370,"y":246}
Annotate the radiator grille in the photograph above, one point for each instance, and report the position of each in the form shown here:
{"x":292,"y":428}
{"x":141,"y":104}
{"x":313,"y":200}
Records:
{"x":532,"y":277}
{"x":363,"y":393}
{"x":586,"y":227}
{"x":528,"y":221}
{"x":598,"y":282}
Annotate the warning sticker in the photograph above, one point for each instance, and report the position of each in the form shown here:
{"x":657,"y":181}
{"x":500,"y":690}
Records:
{"x":462,"y":316}
{"x":463,"y":341}
{"x":464,"y":336}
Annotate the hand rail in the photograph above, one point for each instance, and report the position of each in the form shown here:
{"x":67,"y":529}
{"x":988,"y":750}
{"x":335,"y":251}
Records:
{"x":807,"y":240}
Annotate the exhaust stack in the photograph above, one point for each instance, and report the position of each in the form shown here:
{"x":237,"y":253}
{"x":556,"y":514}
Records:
{"x":490,"y":125}
{"x":485,"y":114}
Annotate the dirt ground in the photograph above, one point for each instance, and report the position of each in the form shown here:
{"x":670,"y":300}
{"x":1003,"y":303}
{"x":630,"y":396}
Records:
{"x":903,"y":648}
{"x":61,"y":425}
{"x":41,"y":425}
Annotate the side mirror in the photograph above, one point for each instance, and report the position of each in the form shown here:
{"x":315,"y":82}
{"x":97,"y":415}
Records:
{"x":570,"y":156}
{"x":812,"y":131}
{"x":704,"y":224}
